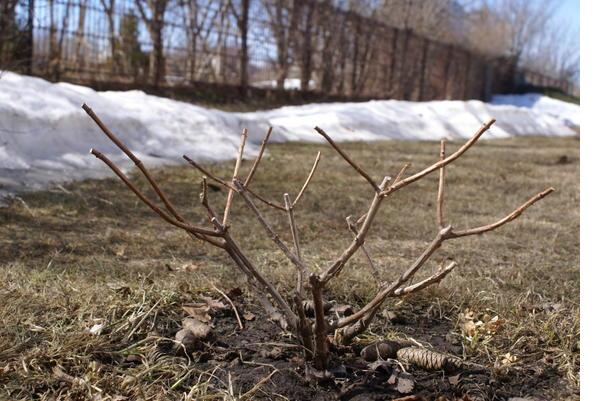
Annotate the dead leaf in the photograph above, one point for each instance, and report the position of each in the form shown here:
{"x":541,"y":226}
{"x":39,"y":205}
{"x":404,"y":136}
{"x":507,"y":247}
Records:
{"x":249,"y":316}
{"x":405,"y":385}
{"x":199,"y":330}
{"x":189,"y":267}
{"x":198,"y":311}
{"x":454,"y":379}
{"x":213,"y":304}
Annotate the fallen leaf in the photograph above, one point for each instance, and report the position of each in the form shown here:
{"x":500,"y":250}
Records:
{"x":454,"y":379}
{"x":198,"y":311}
{"x":249,"y":316}
{"x":199,"y":329}
{"x":405,"y":385}
{"x":189,"y":267}
{"x":213,"y":304}
{"x":410,"y":398}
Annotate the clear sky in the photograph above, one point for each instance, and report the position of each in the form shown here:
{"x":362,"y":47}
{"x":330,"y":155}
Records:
{"x":569,"y":10}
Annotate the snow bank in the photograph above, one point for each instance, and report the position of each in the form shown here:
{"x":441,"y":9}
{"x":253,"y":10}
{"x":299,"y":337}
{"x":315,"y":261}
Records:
{"x":45,"y":136}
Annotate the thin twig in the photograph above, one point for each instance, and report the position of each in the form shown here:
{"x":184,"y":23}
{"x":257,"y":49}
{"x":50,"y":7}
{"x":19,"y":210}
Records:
{"x":236,"y":170}
{"x":516,"y":213}
{"x":272,"y":234}
{"x":335,"y":268}
{"x":310,"y":175}
{"x":363,"y":247}
{"x":230,"y":186}
{"x":135,"y":160}
{"x":294,"y":229}
{"x":263,"y":145}
{"x":207,"y":173}
{"x":237,"y":315}
{"x":440,"y":195}
{"x":151,"y":204}
{"x":401,"y":172}
{"x":345,"y":156}
{"x":265,"y":201}
{"x":438,"y":276}
{"x":408,"y":180}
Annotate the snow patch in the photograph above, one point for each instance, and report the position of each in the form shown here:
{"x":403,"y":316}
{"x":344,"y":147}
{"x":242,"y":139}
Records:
{"x":45,"y":136}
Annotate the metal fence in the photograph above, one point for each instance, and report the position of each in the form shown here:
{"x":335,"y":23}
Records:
{"x":282,"y":44}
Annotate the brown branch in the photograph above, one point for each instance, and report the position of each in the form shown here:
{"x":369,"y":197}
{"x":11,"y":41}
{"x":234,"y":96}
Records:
{"x":236,"y":170}
{"x":516,"y":213}
{"x":401,"y":172}
{"x":265,"y":201}
{"x":208,"y":173}
{"x":138,"y":163}
{"x":152,"y":205}
{"x":310,"y":175}
{"x":363,"y":247}
{"x":359,"y":239}
{"x":440,"y":196}
{"x":320,"y":330}
{"x":345,"y":156}
{"x":231,"y":246}
{"x":230,"y":186}
{"x":294,"y":229}
{"x":384,"y":293}
{"x":438,"y":276}
{"x":263,"y":145}
{"x":402,"y":183}
{"x":272,"y":234}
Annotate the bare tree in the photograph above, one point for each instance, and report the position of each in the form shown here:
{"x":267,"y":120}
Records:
{"x":318,"y":335}
{"x":153,"y":15}
{"x":109,"y":10}
{"x":283,"y":19}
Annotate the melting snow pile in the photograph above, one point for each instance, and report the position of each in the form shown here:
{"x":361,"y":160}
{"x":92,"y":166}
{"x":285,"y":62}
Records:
{"x":45,"y":136}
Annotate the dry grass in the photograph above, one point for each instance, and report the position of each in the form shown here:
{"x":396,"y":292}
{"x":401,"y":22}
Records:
{"x":92,"y":253}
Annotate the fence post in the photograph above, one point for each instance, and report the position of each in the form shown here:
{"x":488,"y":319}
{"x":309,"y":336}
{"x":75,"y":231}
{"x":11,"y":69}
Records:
{"x":29,"y":39}
{"x":447,"y":71}
{"x":244,"y":55}
{"x":406,"y":88}
{"x":423,"y":69}
{"x":391,"y":76}
{"x":467,"y":73}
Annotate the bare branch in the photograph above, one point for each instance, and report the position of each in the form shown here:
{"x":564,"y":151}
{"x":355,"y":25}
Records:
{"x":345,"y":156}
{"x":321,"y":348}
{"x":149,"y":203}
{"x":230,"y":186}
{"x":294,"y":230}
{"x":440,"y":196}
{"x":402,"y":183}
{"x":272,"y":234}
{"x":310,"y":175}
{"x":401,"y":172}
{"x":263,"y":145}
{"x":516,"y":213}
{"x":438,"y":276}
{"x":236,"y":170}
{"x":208,"y":173}
{"x":338,"y":265}
{"x":363,"y":247}
{"x":135,"y":160}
